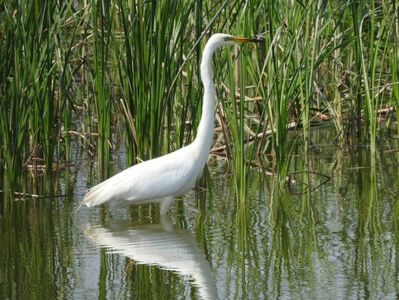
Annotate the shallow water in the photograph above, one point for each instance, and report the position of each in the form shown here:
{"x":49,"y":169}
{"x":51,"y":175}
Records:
{"x":337,"y":241}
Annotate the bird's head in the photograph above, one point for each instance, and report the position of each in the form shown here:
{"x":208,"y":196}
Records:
{"x":222,"y":39}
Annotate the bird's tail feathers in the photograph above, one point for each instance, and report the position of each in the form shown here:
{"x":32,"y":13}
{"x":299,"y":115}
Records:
{"x":97,"y":195}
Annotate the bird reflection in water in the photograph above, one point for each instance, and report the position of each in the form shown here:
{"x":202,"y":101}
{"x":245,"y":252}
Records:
{"x":162,"y":245}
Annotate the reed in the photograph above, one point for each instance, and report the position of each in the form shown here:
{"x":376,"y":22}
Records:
{"x":102,"y":15}
{"x":150,"y":53}
{"x":31,"y":102}
{"x":372,"y":60}
{"x":232,"y":111}
{"x":127,"y":71}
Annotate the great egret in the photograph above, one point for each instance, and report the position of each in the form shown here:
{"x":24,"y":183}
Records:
{"x":162,"y":179}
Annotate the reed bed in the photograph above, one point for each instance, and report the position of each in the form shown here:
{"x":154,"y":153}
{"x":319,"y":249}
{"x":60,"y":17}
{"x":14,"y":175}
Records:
{"x":116,"y":72}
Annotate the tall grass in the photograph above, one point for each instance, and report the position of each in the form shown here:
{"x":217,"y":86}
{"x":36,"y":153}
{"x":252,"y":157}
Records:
{"x":149,"y":56}
{"x":32,"y":81}
{"x":113,"y":69}
{"x":372,"y":65}
{"x":394,"y":58}
{"x":102,"y":21}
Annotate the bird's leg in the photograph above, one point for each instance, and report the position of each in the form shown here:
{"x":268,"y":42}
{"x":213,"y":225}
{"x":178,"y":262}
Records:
{"x":166,"y":223}
{"x":165,"y":204}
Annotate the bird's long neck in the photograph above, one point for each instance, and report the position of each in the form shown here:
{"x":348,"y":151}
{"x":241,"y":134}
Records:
{"x":206,"y":125}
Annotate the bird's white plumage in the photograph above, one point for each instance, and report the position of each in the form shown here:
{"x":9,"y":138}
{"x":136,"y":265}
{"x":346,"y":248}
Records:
{"x":151,"y":181}
{"x":161,"y":179}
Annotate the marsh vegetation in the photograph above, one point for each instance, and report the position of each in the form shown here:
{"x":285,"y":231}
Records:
{"x":297,"y":199}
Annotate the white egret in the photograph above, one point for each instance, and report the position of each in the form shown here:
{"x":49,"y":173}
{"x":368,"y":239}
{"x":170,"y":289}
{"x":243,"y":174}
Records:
{"x":162,"y":179}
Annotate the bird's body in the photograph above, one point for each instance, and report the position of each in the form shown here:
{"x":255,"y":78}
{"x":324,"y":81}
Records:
{"x":162,"y":179}
{"x":170,"y":176}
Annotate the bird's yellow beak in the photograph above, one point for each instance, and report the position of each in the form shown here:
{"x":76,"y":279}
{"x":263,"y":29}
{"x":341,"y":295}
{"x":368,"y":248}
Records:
{"x":241,"y":39}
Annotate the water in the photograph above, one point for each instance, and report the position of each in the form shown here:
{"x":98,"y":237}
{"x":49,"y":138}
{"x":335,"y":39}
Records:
{"x":338,"y":241}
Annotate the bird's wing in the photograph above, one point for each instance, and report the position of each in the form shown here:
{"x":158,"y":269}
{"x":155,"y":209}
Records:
{"x":167,"y":175}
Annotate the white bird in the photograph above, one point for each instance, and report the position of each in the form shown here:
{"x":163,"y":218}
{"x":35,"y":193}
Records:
{"x":162,"y":179}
